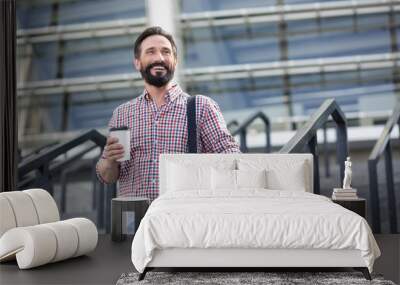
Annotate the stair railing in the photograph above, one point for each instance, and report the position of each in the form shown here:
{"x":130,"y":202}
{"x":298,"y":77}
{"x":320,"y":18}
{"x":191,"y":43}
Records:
{"x":306,"y":137}
{"x":232,"y":124}
{"x":38,"y":170}
{"x":383,"y":147}
{"x":242,"y":131}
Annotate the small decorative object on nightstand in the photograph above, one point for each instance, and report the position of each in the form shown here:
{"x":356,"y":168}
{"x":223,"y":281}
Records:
{"x":347,"y":192}
{"x":347,"y":196}
{"x":126,"y":214}
{"x":357,"y":205}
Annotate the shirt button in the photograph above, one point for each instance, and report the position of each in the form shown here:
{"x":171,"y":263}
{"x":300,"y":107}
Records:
{"x":153,"y":181}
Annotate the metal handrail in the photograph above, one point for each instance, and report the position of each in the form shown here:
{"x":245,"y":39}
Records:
{"x":56,"y":168}
{"x":40,"y":163}
{"x":306,"y":136}
{"x":242,"y":131}
{"x":231,"y":124}
{"x":383,"y":147}
{"x":42,"y":159}
{"x":39,"y":150}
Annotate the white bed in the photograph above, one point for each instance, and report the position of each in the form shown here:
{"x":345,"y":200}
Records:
{"x":203,"y":220}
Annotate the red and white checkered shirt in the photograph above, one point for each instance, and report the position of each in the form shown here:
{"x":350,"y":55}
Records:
{"x":164,"y":130}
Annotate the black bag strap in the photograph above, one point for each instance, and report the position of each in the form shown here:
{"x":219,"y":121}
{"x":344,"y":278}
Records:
{"x":191,"y":124}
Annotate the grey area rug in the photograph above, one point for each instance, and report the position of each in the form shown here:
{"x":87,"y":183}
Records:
{"x":229,"y":278}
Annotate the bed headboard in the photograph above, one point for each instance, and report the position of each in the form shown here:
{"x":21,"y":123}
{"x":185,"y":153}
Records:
{"x":286,"y":163}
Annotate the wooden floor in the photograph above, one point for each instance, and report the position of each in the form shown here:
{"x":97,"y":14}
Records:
{"x":110,"y":260}
{"x":389,"y":262}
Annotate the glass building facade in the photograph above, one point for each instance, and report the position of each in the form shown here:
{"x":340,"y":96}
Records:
{"x":284,"y":57}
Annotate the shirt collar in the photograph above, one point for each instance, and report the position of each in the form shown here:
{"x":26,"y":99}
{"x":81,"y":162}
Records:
{"x":170,"y":95}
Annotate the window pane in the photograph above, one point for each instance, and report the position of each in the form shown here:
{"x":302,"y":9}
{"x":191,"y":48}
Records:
{"x":44,"y":61}
{"x":35,"y":14}
{"x":350,"y":89}
{"x":188,"y":6}
{"x":102,"y":56}
{"x":94,"y":109}
{"x":353,"y":90}
{"x":239,"y":93}
{"x":230,"y":45}
{"x":42,"y":113}
{"x":338,"y":37}
{"x":292,"y":2}
{"x":80,"y":58}
{"x":100,"y":10}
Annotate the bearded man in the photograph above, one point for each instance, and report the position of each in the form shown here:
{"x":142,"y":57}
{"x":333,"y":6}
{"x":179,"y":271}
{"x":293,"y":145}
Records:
{"x":157,"y":120}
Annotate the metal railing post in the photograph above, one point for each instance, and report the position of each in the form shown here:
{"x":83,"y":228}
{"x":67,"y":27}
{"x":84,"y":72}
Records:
{"x":63,"y":182}
{"x":110,"y":193}
{"x":100,"y":206}
{"x":95,"y":183}
{"x":326,"y":153}
{"x":390,"y":189}
{"x":243,"y":142}
{"x":268,"y":137}
{"x":44,"y":178}
{"x":374,"y":196}
{"x":341,"y":142}
{"x":313,"y":145}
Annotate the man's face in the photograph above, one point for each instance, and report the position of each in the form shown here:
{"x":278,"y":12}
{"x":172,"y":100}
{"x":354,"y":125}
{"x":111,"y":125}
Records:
{"x":156,"y":62}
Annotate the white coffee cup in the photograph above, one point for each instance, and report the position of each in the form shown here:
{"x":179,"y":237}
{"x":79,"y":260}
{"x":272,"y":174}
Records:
{"x":124,"y":137}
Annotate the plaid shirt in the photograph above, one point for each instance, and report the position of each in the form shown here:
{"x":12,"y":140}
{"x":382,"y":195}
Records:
{"x":156,"y":130}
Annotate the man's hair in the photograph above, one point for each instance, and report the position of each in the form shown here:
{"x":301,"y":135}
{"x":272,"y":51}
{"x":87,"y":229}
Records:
{"x":151,"y":31}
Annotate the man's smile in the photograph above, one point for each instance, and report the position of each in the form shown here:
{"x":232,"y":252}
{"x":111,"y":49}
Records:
{"x":159,"y":68}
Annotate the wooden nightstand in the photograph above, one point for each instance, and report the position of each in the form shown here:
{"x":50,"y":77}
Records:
{"x":358,"y":206}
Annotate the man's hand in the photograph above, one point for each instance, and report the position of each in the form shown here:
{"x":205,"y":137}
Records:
{"x":108,"y":166}
{"x":113,"y":150}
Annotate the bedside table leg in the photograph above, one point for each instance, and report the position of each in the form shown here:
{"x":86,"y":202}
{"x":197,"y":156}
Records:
{"x":364,"y":271}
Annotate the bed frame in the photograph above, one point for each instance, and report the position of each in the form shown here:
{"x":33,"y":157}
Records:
{"x":242,"y":258}
{"x":260,"y":258}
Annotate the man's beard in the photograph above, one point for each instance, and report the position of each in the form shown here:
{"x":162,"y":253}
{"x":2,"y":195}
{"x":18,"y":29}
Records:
{"x":158,"y":80}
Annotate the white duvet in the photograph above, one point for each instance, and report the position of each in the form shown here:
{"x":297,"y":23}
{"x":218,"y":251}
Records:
{"x":250,"y":219}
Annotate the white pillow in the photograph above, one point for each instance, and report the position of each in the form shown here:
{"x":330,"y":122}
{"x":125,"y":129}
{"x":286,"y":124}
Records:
{"x":293,"y":180}
{"x":188,"y":177}
{"x":251,"y":178}
{"x":223,"y":179}
{"x":282,"y":173}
